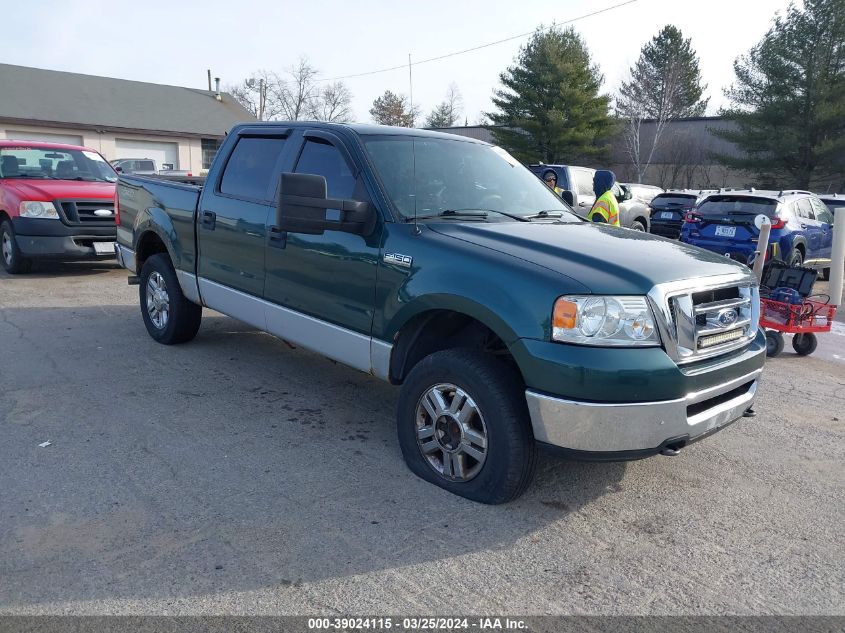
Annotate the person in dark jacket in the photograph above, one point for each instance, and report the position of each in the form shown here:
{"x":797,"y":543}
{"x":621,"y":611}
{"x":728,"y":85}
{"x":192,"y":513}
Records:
{"x":606,"y":207}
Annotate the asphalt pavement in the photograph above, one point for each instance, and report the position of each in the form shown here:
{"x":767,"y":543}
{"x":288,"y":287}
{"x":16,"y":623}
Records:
{"x":236,"y":475}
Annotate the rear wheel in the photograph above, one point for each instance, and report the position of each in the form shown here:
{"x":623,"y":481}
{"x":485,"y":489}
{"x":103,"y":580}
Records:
{"x":13,"y":262}
{"x":463,"y":425}
{"x":826,"y":274}
{"x":774,"y":343}
{"x":638,"y":226}
{"x":804,"y":344}
{"x":796,"y":258}
{"x":169,"y":317}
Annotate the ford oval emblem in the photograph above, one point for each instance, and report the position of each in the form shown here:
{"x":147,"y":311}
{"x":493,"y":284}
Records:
{"x":103,"y":213}
{"x":727,"y":317}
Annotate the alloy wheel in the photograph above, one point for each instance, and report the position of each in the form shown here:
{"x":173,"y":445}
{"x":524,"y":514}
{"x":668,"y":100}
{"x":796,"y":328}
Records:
{"x":158,"y":301}
{"x":451,"y":433}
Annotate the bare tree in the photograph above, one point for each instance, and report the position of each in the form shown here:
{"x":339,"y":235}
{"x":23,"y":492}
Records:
{"x":261,"y":94}
{"x":300,"y":92}
{"x":333,"y":102}
{"x":664,"y":84}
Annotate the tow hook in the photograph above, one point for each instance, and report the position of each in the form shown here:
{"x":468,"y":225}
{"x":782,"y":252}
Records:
{"x":671,"y":451}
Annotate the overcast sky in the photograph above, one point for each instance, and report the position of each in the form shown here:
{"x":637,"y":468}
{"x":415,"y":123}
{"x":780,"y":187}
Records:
{"x":175,"y":42}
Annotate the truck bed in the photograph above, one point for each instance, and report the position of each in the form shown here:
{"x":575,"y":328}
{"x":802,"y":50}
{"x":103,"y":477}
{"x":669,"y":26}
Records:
{"x":169,"y":206}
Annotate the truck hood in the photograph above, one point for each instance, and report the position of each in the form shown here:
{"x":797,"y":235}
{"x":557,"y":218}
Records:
{"x":47,"y":190}
{"x":606,"y":259}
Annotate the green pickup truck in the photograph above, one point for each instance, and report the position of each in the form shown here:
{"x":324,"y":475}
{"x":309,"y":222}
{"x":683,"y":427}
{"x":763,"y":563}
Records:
{"x":441,"y":264}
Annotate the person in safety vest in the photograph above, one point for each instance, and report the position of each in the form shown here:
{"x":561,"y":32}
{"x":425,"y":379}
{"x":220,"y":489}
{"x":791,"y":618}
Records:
{"x":606,"y":208}
{"x":550,"y":178}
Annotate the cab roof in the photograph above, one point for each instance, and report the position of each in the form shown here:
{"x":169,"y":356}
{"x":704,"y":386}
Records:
{"x":42,"y":145}
{"x":363,"y":129}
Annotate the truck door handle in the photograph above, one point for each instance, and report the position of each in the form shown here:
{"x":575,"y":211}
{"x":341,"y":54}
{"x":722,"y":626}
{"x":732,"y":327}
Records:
{"x":277,"y":238}
{"x":209,"y":220}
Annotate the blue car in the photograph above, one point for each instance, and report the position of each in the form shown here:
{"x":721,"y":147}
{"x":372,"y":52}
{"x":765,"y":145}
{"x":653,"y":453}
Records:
{"x":802,"y":226}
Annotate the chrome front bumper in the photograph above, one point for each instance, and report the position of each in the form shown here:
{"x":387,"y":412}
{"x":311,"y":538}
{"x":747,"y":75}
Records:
{"x":639,"y":427}
{"x":125,"y":256}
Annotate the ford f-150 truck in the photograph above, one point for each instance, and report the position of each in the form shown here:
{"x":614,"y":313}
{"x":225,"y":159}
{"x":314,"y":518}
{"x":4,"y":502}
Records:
{"x":56,"y":202}
{"x":441,"y":264}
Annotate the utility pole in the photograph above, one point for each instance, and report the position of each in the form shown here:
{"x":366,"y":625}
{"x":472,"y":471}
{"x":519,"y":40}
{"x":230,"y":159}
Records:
{"x":262,"y":92}
{"x":411,"y":90}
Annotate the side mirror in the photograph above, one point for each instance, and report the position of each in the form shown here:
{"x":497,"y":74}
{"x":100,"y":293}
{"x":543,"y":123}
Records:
{"x":624,"y":193}
{"x":119,"y":170}
{"x":568,"y":197}
{"x":303,"y":207}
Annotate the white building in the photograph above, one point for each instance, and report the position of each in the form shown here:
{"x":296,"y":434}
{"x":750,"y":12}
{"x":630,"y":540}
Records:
{"x":172,"y":125}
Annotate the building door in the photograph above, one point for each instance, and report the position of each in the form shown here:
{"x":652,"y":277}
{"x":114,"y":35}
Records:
{"x":162,"y":153}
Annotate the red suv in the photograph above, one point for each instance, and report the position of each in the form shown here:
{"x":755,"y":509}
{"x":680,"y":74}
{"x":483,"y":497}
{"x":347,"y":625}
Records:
{"x":56,"y":202}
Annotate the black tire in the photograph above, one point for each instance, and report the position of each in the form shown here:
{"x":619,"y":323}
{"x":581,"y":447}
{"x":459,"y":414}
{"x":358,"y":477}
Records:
{"x":638,"y":226}
{"x":183,"y":316}
{"x":826,"y":274}
{"x":796,"y":258}
{"x":774,"y":343}
{"x":805,"y":344}
{"x":13,"y":262}
{"x":498,"y":393}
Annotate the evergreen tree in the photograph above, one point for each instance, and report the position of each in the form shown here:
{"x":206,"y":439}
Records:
{"x":549,"y":106}
{"x":664,"y":85}
{"x":446,"y":114}
{"x":788,"y":102}
{"x":393,"y":109}
{"x":665,"y":82}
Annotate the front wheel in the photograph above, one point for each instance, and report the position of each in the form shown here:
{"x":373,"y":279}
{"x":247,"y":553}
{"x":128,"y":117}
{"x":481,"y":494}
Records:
{"x":13,"y":261}
{"x":804,"y":344}
{"x":463,"y":425}
{"x":796,"y":259}
{"x":169,"y":317}
{"x":638,"y":226}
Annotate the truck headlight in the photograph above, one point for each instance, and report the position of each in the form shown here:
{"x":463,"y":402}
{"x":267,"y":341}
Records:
{"x":41,"y":210}
{"x":604,"y":321}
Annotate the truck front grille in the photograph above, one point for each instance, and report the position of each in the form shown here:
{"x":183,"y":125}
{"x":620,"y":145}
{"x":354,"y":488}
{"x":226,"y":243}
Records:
{"x":87,"y":212}
{"x":717,"y":316}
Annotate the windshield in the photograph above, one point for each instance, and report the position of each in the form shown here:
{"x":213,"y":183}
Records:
{"x":664,"y":202}
{"x":715,"y":206}
{"x":429,"y":176}
{"x":48,"y":163}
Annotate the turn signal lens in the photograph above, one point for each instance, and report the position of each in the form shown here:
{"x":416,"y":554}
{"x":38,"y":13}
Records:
{"x":691,"y":217}
{"x":565,"y":315}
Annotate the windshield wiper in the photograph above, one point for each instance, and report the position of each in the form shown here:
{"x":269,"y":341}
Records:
{"x":452,"y":213}
{"x":545,"y":214}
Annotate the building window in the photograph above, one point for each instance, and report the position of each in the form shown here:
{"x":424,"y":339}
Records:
{"x":209,"y":150}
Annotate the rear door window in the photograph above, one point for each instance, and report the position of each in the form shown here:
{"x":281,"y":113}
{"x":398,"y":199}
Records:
{"x":146,"y":165}
{"x":249,"y":171}
{"x":805,"y":209}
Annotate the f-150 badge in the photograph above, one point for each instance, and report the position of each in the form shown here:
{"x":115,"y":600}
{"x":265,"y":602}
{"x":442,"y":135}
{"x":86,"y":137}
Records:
{"x":398,"y":259}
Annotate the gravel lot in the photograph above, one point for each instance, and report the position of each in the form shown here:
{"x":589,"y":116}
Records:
{"x":237,"y":475}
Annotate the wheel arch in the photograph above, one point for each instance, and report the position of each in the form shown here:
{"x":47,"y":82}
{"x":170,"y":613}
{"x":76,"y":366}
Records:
{"x":436,"y":329}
